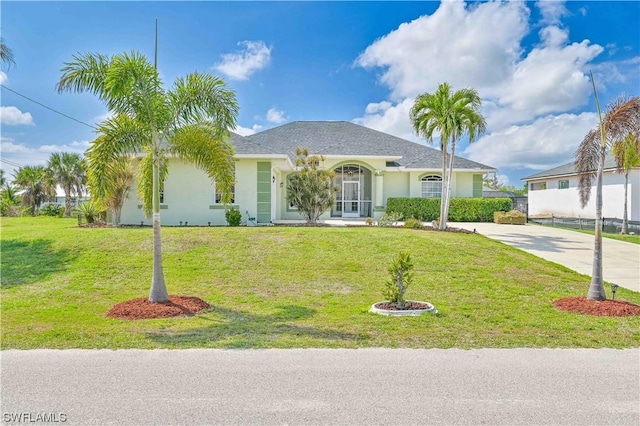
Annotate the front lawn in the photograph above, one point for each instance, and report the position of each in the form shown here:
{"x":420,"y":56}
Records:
{"x":280,"y":287}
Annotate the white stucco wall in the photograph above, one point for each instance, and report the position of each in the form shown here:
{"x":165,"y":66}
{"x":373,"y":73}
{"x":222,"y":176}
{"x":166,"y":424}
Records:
{"x":566,"y":202}
{"x":189,"y":195}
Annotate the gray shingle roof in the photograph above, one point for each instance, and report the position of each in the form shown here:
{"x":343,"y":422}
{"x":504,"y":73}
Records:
{"x":569,"y":169}
{"x":344,"y":138}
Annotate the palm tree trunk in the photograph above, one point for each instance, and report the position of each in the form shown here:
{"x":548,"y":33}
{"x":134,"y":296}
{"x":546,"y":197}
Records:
{"x":158,"y":292}
{"x":596,"y":289}
{"x":443,"y":192}
{"x":449,"y":178}
{"x":67,"y":201}
{"x":625,"y":219}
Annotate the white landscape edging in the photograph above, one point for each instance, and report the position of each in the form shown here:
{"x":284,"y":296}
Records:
{"x":403,"y":313}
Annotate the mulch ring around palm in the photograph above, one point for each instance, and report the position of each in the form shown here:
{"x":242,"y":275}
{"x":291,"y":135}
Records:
{"x":141,"y":308}
{"x":601,"y":308}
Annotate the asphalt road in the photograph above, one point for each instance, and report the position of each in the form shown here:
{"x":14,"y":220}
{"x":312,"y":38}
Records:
{"x":322,"y":386}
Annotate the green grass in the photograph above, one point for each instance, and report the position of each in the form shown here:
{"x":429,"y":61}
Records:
{"x":277,"y":287}
{"x":635,"y":239}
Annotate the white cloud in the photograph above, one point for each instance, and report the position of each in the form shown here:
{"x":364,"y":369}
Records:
{"x":583,"y":11}
{"x":102,"y":117}
{"x":552,"y":11}
{"x":503,"y":180}
{"x":547,"y":142}
{"x":12,"y":116}
{"x":240,"y":65}
{"x":454,"y":45}
{"x":516,"y":87}
{"x":20,"y":153}
{"x":530,"y":94}
{"x":246,"y":131}
{"x":275,"y":116}
{"x":3,"y":78}
{"x":389,"y":118}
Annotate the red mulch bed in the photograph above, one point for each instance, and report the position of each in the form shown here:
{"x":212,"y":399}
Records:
{"x":608,"y":308}
{"x":141,"y":308}
{"x":408,"y":306}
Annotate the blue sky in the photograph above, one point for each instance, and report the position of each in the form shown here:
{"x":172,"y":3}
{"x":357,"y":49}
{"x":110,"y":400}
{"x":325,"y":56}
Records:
{"x":355,"y":61}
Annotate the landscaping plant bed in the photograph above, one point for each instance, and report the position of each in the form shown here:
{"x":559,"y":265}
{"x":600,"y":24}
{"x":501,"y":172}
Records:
{"x":412,"y":308}
{"x":608,"y":308}
{"x":141,"y":308}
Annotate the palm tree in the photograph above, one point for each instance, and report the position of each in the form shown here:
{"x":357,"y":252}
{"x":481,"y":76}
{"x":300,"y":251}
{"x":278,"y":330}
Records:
{"x":451,"y":115}
{"x":189,"y":122}
{"x":617,"y":122}
{"x":37,"y":186}
{"x":121,"y":175}
{"x":6,"y":54}
{"x":627,"y":155}
{"x":67,"y":169}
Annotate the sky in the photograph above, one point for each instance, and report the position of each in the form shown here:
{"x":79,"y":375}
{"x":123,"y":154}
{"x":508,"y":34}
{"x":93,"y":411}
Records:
{"x":363,"y":62}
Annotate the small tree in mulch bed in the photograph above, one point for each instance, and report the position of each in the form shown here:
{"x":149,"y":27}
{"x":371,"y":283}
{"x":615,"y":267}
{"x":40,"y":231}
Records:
{"x":401,"y":275}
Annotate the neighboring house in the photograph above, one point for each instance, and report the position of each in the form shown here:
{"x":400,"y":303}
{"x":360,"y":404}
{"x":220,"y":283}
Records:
{"x":370,"y":167}
{"x":59,"y":199}
{"x":520,"y":201}
{"x":555,"y":192}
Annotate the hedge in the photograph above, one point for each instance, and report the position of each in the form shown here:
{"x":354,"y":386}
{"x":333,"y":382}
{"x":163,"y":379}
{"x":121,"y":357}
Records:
{"x":460,"y":209}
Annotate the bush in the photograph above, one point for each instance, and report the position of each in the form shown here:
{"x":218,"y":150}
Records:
{"x":412,"y":222}
{"x":401,"y":275}
{"x":513,"y":217}
{"x":460,"y":209}
{"x":389,"y":219}
{"x":52,"y":210}
{"x":89,"y":211}
{"x":233,"y":216}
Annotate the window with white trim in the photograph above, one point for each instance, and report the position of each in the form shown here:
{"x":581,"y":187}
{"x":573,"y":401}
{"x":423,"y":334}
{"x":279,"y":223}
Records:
{"x":217,"y":195}
{"x":563,"y":184}
{"x":431,"y":186}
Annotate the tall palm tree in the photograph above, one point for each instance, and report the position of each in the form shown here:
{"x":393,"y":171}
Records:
{"x":627,"y":155}
{"x":189,"y":122}
{"x":67,"y":169}
{"x":6,"y":54}
{"x":617,"y":122}
{"x":37,"y":185}
{"x":451,"y":115}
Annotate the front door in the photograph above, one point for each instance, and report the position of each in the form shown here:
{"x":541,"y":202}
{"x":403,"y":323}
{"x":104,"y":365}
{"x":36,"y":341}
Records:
{"x":350,"y":199}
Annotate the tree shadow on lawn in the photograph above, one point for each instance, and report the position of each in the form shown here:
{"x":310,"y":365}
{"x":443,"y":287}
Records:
{"x":25,"y":262}
{"x":245,"y":330}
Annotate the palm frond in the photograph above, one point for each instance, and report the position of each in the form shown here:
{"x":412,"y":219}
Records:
{"x":145,"y":178}
{"x":86,"y":73}
{"x":587,"y":158}
{"x":203,"y":97}
{"x":202,"y":145}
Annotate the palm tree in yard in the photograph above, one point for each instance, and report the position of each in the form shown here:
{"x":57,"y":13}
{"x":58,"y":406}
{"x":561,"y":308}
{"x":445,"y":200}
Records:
{"x":627,"y":155}
{"x":118,"y":183}
{"x":450,"y":115}
{"x":190,"y":121}
{"x":618,"y":122}
{"x":67,"y":169}
{"x":36,"y":184}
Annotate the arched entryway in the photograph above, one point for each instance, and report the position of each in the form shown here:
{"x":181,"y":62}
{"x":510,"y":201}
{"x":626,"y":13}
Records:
{"x":353,"y":198}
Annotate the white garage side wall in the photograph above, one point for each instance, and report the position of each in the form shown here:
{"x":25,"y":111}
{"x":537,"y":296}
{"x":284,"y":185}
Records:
{"x":396,"y":184}
{"x":189,"y":197}
{"x":566,"y":202}
{"x":462,"y":187}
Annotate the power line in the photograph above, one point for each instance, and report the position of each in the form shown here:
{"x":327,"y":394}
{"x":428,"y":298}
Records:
{"x":11,"y":163}
{"x":49,"y":108}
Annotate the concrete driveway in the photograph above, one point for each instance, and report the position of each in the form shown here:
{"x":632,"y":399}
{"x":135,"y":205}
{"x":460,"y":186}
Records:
{"x":621,"y":260}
